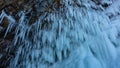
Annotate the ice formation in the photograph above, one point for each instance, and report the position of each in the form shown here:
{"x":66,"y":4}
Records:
{"x":72,"y":36}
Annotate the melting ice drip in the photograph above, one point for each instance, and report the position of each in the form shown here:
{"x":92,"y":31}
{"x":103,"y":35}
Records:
{"x":68,"y":38}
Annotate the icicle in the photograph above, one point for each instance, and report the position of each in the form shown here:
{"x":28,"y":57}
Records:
{"x":64,"y":39}
{"x":3,"y":14}
{"x":11,"y":25}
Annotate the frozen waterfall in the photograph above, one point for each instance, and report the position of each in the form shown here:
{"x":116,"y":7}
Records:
{"x":71,"y":36}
